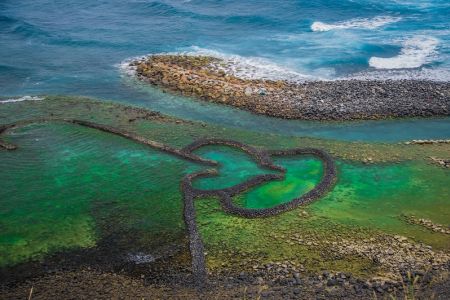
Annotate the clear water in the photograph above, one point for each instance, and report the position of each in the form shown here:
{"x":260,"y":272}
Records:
{"x":54,"y":47}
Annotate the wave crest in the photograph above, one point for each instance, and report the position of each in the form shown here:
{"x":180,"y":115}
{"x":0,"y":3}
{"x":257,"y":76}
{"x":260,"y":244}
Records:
{"x":359,"y":23}
{"x":252,"y":67}
{"x":415,"y":52}
{"x":236,"y":65}
{"x":24,"y":98}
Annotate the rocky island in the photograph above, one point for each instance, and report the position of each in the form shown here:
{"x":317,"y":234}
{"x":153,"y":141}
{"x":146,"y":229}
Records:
{"x":213,"y":79}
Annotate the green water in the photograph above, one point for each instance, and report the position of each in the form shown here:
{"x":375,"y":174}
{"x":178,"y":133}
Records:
{"x":235,"y":167}
{"x":373,"y":196}
{"x":367,"y":200}
{"x":302,"y":174}
{"x":68,"y":187}
{"x":376,"y":196}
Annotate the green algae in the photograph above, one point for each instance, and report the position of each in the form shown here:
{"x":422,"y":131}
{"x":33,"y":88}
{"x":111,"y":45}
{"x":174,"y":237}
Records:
{"x":68,"y":187}
{"x":377,"y":196}
{"x":302,"y":175}
{"x":59,"y":181}
{"x":367,"y":200}
{"x":178,"y":133}
{"x":236,"y":243}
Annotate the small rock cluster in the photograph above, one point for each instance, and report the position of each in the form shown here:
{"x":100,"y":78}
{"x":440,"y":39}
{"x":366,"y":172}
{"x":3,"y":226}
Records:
{"x":394,"y":254}
{"x":445,"y":163}
{"x":211,"y":79}
{"x":427,"y":224}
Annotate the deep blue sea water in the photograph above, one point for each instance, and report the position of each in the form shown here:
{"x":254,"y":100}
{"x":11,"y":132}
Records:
{"x":76,"y":47}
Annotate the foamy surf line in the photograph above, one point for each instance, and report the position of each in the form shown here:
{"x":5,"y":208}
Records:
{"x":422,"y":74}
{"x":24,"y":98}
{"x":415,"y":52}
{"x":251,"y":67}
{"x":359,"y":23}
{"x":257,"y":68}
{"x":235,"y":65}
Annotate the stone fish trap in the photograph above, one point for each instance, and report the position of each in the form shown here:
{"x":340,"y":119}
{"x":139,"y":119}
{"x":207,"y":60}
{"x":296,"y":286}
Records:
{"x":262,"y":157}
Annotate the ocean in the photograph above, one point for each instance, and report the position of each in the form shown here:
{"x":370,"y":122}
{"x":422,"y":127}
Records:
{"x":77,"y":48}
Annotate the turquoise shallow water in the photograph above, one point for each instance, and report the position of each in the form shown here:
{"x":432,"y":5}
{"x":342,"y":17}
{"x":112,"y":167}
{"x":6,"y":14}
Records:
{"x":49,"y":47}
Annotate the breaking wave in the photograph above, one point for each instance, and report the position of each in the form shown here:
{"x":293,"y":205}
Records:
{"x":359,"y":23}
{"x":415,"y":52}
{"x":236,"y":65}
{"x":24,"y":98}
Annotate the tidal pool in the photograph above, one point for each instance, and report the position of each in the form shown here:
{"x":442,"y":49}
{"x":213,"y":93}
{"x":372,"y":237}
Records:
{"x":67,"y":187}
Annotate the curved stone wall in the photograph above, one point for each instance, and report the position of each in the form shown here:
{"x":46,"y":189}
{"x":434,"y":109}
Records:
{"x":262,"y":157}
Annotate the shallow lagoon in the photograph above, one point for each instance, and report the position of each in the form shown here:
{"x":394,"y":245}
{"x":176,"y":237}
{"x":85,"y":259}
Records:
{"x":68,"y":187}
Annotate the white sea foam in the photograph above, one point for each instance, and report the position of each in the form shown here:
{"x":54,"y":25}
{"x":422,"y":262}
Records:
{"x":359,"y":23}
{"x":126,"y":68}
{"x":252,"y":67}
{"x":140,"y":258}
{"x":236,"y":65}
{"x":431,"y":74}
{"x":24,"y":98}
{"x":415,"y":52}
{"x":262,"y":68}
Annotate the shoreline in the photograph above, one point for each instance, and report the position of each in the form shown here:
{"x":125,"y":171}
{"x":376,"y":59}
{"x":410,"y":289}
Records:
{"x":96,"y":283}
{"x":211,"y":79}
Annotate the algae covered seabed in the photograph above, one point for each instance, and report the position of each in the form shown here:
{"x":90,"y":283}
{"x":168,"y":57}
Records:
{"x":69,"y":191}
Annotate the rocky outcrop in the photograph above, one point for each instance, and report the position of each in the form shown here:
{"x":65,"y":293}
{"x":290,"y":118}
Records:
{"x":210,"y":79}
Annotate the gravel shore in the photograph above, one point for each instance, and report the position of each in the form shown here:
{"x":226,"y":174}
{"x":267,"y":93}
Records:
{"x":96,"y":284}
{"x":211,"y":79}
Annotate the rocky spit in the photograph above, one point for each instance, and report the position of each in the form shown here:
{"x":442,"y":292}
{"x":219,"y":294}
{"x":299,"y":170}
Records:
{"x":213,"y":80}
